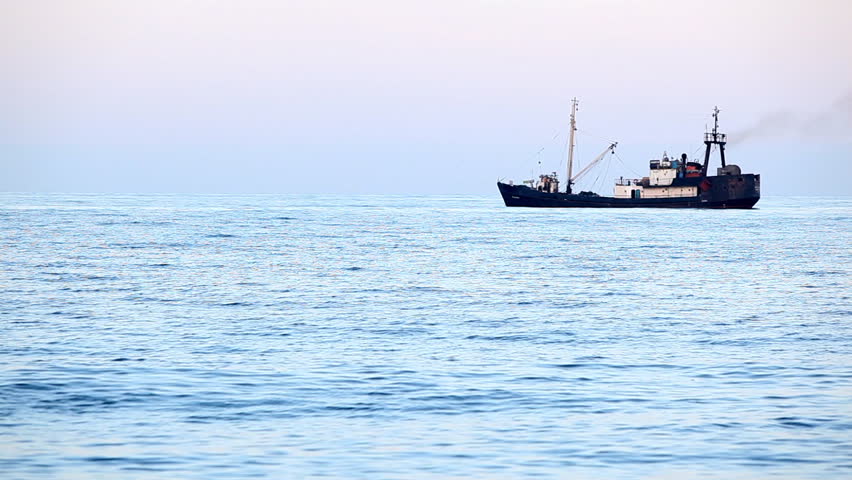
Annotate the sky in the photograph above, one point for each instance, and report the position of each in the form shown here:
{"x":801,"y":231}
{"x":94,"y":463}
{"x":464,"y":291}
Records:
{"x":404,"y":97}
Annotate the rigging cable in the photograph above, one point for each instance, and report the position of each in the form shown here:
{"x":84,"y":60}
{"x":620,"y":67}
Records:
{"x":696,"y":152}
{"x":587,"y":133}
{"x":602,"y":176}
{"x":606,"y":172}
{"x":639,"y":175}
{"x":537,"y":155}
{"x":561,"y":157}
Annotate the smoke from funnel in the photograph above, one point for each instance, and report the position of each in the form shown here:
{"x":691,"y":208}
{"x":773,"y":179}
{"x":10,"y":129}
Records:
{"x":834,"y":123}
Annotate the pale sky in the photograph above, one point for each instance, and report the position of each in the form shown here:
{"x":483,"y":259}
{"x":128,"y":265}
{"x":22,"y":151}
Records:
{"x":413,"y":97}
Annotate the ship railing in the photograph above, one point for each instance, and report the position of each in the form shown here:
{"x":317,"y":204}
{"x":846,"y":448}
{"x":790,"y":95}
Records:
{"x":715,"y":137}
{"x":627,"y":182}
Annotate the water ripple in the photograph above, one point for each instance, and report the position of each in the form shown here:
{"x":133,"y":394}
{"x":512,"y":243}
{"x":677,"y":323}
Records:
{"x":191,"y":336}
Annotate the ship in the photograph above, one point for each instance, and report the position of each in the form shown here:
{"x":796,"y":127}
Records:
{"x":671,"y":182}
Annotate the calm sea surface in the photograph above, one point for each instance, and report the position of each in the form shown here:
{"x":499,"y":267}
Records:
{"x":391,"y":337}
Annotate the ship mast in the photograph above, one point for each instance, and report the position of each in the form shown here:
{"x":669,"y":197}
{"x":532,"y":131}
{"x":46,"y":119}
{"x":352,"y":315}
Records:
{"x":571,"y":143}
{"x":714,"y":138}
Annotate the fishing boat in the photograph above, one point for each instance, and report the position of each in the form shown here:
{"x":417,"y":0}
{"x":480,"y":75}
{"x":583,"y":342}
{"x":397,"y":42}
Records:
{"x":671,"y":182}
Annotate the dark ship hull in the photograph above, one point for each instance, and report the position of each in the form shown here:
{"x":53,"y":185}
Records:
{"x":723,"y":191}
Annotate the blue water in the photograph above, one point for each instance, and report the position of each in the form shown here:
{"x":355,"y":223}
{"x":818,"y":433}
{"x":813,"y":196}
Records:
{"x":373,"y":337}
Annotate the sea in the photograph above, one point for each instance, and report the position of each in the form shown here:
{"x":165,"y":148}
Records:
{"x":420,"y":337}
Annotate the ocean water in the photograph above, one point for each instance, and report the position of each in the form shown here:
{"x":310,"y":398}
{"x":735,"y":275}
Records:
{"x":390,"y":337}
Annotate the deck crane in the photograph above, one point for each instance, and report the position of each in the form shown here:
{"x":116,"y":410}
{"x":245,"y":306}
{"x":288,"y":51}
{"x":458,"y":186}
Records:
{"x":610,"y":148}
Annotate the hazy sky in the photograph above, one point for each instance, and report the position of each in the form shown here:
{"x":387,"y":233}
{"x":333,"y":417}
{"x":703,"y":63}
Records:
{"x":420,"y":97}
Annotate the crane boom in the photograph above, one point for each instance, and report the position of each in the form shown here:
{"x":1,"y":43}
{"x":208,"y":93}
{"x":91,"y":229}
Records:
{"x":594,"y":162}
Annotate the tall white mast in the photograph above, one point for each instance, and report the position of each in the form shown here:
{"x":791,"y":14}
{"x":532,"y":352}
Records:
{"x":571,"y":143}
